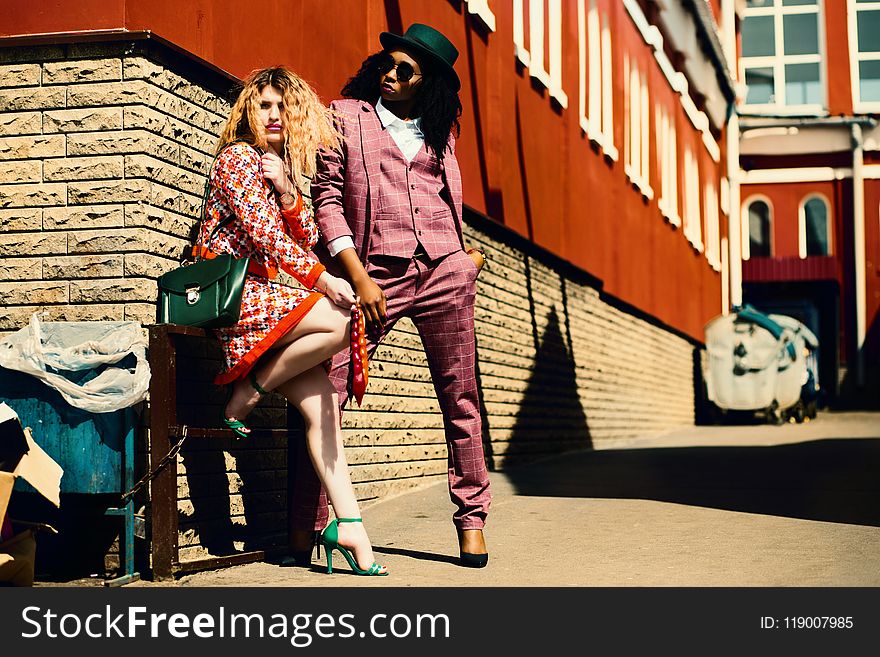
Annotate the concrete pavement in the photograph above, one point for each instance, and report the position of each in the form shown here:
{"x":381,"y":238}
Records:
{"x":796,"y":505}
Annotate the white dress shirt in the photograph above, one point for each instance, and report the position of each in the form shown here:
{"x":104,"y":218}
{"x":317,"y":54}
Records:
{"x":409,"y":139}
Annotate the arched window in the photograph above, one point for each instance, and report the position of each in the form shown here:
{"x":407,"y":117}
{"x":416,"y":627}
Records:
{"x":759,"y":229}
{"x":814,"y":228}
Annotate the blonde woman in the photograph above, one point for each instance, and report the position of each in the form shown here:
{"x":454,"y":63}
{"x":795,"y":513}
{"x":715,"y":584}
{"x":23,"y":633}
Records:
{"x":284,"y":335}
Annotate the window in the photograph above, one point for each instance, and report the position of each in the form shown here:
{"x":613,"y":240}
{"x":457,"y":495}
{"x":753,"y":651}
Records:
{"x":758,"y":224}
{"x":713,"y":231}
{"x":813,"y":227}
{"x":637,"y":128}
{"x":533,"y":57}
{"x":607,"y":92}
{"x":667,"y":157}
{"x":782,"y":54}
{"x":595,"y":89}
{"x":865,"y":46}
{"x":692,"y":228}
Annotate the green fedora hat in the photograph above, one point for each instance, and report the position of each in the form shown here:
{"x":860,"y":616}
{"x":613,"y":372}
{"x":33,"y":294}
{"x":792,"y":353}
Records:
{"x":425,"y":40}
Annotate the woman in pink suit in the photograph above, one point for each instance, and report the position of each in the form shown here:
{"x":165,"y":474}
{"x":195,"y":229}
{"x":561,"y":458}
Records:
{"x":285,"y":335}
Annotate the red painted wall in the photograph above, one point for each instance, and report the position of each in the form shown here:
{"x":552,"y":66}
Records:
{"x":872,"y":269}
{"x":838,"y":75}
{"x":525,"y":161}
{"x":28,"y":17}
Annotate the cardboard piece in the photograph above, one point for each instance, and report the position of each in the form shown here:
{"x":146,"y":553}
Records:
{"x":24,"y":458}
{"x":7,"y":481}
{"x":21,"y":457}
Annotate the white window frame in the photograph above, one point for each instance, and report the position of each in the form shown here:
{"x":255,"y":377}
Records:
{"x":536,"y":42}
{"x":533,"y":56}
{"x":636,"y":128}
{"x":595,"y":115}
{"x":802,"y":223}
{"x":519,"y":43}
{"x":724,"y":190}
{"x":607,"y":92}
{"x":481,"y":9}
{"x":713,"y":226}
{"x":693,"y":230}
{"x":554,"y":10}
{"x":632,"y":148}
{"x":778,"y":61}
{"x":652,"y":36}
{"x":745,"y":248}
{"x":725,"y":277}
{"x":667,"y":159}
{"x":855,"y":57}
{"x":645,"y":127}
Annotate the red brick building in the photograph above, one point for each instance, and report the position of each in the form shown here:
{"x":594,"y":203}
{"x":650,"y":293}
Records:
{"x":810,"y":176}
{"x":568,"y":142}
{"x":599,"y":155}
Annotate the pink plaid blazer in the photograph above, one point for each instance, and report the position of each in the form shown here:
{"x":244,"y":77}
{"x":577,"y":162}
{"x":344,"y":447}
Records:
{"x":344,"y":191}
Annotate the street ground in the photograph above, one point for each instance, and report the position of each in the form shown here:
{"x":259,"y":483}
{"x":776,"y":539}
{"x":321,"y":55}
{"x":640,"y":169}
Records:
{"x":793,"y":505}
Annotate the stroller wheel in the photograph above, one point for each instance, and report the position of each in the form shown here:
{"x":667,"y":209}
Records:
{"x":774,"y":416}
{"x":798,"y":412}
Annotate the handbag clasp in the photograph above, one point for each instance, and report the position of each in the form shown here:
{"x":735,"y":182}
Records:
{"x":192,"y":295}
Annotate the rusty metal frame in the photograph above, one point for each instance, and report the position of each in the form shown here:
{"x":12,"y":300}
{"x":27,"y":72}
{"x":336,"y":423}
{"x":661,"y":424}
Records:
{"x":165,"y":428}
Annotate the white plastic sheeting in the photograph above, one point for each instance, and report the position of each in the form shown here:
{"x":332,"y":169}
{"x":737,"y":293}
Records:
{"x":48,"y":349}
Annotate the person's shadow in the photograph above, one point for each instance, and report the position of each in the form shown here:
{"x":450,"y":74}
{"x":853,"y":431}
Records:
{"x":232,"y":492}
{"x":417,"y":554}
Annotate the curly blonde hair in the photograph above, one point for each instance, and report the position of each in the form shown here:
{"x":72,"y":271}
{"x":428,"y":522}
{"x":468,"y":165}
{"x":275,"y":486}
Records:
{"x":308,"y":124}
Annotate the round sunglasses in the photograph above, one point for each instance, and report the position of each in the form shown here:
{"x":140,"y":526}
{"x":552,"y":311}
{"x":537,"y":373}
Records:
{"x":405,"y":71}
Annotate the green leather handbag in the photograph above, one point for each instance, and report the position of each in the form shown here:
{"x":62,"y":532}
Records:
{"x":206,"y":293}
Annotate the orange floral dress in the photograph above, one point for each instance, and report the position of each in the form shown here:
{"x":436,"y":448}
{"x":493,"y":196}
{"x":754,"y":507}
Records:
{"x":273,"y":239}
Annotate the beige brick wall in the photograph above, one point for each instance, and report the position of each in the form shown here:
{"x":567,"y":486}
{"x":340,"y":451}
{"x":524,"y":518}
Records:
{"x":103,"y":154}
{"x":102,"y":160}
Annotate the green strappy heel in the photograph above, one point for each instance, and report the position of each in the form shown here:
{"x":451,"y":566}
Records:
{"x":330,"y":539}
{"x":239,"y":428}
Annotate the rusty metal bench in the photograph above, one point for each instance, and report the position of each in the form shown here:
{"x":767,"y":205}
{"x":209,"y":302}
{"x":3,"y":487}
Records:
{"x":168,"y":429}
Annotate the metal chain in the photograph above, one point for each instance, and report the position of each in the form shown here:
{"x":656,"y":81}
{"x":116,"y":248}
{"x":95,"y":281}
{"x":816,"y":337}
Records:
{"x":172,"y":453}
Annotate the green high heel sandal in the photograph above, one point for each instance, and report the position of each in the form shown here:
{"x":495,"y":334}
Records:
{"x":239,"y":428}
{"x":330,"y":539}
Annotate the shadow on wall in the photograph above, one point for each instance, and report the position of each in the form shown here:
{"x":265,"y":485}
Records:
{"x":551,"y":416}
{"x":392,"y":13}
{"x":233,"y":495}
{"x":825,"y":480}
{"x":238,"y":501}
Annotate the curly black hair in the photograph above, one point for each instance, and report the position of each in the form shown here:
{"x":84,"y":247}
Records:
{"x":437,"y":102}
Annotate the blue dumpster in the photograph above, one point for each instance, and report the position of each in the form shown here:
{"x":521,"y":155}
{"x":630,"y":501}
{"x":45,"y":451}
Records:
{"x":96,"y":450}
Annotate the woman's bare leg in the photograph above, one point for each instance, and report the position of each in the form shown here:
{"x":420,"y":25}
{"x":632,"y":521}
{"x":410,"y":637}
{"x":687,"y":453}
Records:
{"x":312,"y":393}
{"x":319,"y":335}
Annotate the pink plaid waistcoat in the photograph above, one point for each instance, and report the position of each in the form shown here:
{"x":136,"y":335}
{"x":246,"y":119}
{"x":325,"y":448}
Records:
{"x":358,"y":191}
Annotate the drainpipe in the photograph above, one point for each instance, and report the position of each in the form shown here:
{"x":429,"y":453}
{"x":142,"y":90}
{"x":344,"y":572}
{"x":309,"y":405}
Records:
{"x":734,"y":215}
{"x":858,"y":179}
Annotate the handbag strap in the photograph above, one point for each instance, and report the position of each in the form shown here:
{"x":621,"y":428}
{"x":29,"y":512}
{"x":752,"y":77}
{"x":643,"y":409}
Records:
{"x":199,"y":247}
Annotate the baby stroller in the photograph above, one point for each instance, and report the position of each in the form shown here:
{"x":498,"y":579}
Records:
{"x":761,"y":364}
